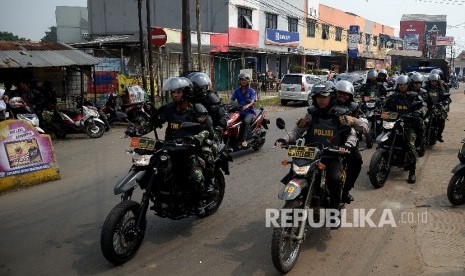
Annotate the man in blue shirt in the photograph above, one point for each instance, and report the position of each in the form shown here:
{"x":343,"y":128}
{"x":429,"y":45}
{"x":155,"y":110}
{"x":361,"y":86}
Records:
{"x":245,"y":96}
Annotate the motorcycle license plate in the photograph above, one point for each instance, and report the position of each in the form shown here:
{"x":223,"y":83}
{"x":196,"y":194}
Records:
{"x":142,"y":143}
{"x":389,"y":115}
{"x":302,"y":152}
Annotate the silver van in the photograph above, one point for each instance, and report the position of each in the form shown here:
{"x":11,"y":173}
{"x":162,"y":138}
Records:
{"x":297,"y":87}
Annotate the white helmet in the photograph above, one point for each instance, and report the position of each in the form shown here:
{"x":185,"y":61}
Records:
{"x":345,"y":86}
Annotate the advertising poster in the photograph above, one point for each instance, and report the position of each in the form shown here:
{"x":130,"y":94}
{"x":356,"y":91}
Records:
{"x":411,"y":42}
{"x":354,"y":38}
{"x":433,"y":31}
{"x":25,"y":155}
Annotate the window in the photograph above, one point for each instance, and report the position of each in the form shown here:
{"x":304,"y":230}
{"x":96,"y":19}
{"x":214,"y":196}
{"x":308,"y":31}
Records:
{"x":375,"y":41}
{"x":338,"y":34}
{"x":271,"y":21}
{"x":292,"y":26}
{"x":367,"y":39}
{"x":360,"y":41}
{"x":310,"y":28}
{"x":325,"y":31}
{"x":244,"y":18}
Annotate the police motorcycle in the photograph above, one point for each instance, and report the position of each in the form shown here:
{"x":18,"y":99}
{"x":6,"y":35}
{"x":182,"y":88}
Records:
{"x":391,"y":149}
{"x":372,"y":109}
{"x":431,"y":134}
{"x":456,"y":187}
{"x":305,"y":189}
{"x":159,"y":170}
{"x":21,"y":111}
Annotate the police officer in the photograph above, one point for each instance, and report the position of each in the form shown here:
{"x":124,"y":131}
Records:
{"x":383,"y":79}
{"x":401,"y":102}
{"x":182,"y":110}
{"x":345,"y":101}
{"x":246,"y":97}
{"x":372,"y":89}
{"x":203,"y":94}
{"x":434,"y":96}
{"x":319,"y":125}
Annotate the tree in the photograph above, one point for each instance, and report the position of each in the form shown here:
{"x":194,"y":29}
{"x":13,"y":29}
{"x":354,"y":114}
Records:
{"x":50,"y":36}
{"x":6,"y":36}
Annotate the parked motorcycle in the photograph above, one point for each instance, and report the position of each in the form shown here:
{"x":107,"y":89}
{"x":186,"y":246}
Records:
{"x":135,"y":112}
{"x":21,"y":111}
{"x":159,"y":169}
{"x":257,"y":131}
{"x":305,"y":189}
{"x":456,"y":187}
{"x":65,"y":122}
{"x":391,"y":149}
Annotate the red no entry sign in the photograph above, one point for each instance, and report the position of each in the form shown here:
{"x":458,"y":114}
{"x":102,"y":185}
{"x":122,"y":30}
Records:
{"x":158,"y":37}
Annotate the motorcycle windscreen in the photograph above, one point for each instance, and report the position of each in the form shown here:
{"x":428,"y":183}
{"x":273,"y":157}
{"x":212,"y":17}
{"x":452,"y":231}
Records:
{"x":292,"y":189}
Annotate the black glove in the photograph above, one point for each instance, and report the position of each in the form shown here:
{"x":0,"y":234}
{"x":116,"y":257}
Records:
{"x":190,"y":141}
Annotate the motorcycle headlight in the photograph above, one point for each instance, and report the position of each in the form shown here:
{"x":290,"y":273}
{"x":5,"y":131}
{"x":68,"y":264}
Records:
{"x":300,"y":170}
{"x":141,"y":160}
{"x":388,"y":125}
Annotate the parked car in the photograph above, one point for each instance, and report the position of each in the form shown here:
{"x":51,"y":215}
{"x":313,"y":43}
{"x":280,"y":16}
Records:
{"x":297,"y":87}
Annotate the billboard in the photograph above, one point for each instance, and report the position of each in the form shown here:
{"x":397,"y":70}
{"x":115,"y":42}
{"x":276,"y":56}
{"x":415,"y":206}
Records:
{"x":282,"y":38}
{"x":411,"y":42}
{"x":433,"y":30}
{"x":444,"y":41}
{"x":413,"y":30}
{"x":353,"y":39}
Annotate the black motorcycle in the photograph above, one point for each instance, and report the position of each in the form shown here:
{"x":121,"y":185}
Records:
{"x":391,"y":149}
{"x":456,"y":187}
{"x":160,"y":170}
{"x":373,"y":115}
{"x":305,"y":189}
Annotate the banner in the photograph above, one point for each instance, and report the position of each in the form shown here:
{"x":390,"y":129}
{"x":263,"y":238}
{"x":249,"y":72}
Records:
{"x":411,"y":42}
{"x":353,"y":40}
{"x":444,"y":41}
{"x":282,"y":38}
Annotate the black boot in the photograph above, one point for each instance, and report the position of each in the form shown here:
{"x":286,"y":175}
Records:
{"x":346,"y":197}
{"x":411,"y":176}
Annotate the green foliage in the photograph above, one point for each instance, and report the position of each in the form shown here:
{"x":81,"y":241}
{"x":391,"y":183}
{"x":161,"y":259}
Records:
{"x":393,"y":69}
{"x":50,"y":36}
{"x":6,"y":36}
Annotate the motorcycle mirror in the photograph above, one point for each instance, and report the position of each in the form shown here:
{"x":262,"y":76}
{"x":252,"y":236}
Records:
{"x":280,"y":123}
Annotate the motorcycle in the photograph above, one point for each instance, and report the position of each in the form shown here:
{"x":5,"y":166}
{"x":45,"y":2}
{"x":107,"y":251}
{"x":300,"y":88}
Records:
{"x":159,"y":169}
{"x":135,"y":112}
{"x":65,"y":122}
{"x":306,"y":190}
{"x":391,"y":149}
{"x":456,"y":187}
{"x":257,"y":131}
{"x":373,"y":114}
{"x":21,"y":111}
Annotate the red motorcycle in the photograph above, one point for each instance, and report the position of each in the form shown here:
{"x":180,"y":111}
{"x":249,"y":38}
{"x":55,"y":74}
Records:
{"x":257,"y":131}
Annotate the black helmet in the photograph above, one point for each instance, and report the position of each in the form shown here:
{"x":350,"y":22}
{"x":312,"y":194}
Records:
{"x":182,"y":83}
{"x":200,"y":81}
{"x":323,"y":88}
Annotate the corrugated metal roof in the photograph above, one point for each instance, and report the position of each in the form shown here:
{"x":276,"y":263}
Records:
{"x":424,"y":18}
{"x":109,"y":40}
{"x":42,"y":54}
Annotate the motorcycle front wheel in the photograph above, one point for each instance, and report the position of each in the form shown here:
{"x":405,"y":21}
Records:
{"x":218,"y":196}
{"x":378,"y":170}
{"x":285,"y":248}
{"x":95,"y":129}
{"x":456,"y":188}
{"x":120,"y":239}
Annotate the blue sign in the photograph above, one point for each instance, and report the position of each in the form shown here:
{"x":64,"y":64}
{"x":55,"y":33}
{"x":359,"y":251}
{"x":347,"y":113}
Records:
{"x":353,"y":40}
{"x":282,"y":38}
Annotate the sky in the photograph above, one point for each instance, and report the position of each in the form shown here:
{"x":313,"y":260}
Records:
{"x":32,"y":18}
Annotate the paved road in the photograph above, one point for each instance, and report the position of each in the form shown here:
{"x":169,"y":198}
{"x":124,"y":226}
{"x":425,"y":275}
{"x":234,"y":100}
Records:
{"x":54,"y":228}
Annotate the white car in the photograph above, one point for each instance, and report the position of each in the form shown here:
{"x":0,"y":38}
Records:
{"x":297,"y":87}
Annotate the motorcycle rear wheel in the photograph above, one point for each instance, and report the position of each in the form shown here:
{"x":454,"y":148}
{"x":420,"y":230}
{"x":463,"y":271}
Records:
{"x":119,"y":240}
{"x":378,"y":171}
{"x":284,"y":249}
{"x":215,"y":202}
{"x":456,"y":188}
{"x":95,"y":129}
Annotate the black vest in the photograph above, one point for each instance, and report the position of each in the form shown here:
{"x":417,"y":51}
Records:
{"x":323,"y":128}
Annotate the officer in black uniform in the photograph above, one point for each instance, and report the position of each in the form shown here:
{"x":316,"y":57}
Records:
{"x":346,"y":105}
{"x":372,"y":89}
{"x":434,"y":96}
{"x":401,"y":102}
{"x":319,"y":125}
{"x":203,"y":94}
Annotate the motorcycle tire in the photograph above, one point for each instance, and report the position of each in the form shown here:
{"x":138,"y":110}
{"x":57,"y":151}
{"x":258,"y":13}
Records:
{"x":456,"y":188}
{"x":282,"y":240}
{"x":119,"y":241}
{"x":421,"y":150}
{"x":217,"y":198}
{"x":94,"y":130}
{"x":368,"y":140}
{"x":378,"y":172}
{"x":59,"y":134}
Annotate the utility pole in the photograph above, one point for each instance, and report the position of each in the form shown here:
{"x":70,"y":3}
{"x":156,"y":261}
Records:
{"x":149,"y":43}
{"x":199,"y":45}
{"x":186,"y":37}
{"x":141,"y":44}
